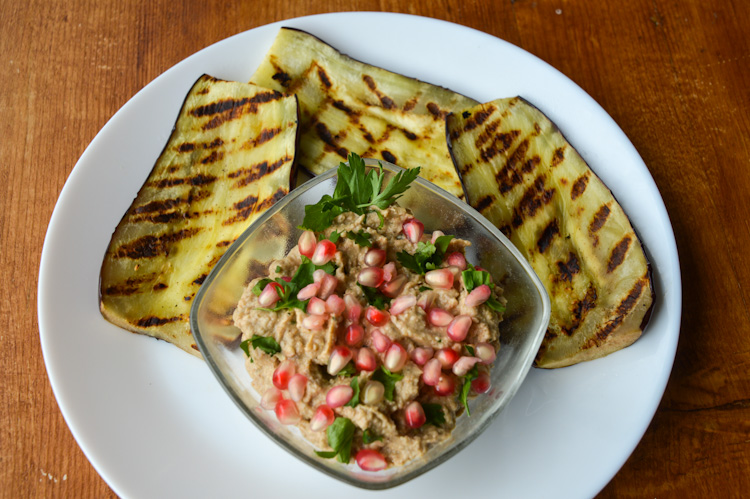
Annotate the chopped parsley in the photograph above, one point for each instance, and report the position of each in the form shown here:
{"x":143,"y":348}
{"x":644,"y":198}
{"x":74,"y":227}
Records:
{"x":340,"y":435}
{"x":348,"y":370}
{"x":375,"y":297}
{"x":466,"y":388}
{"x":428,"y":256}
{"x":388,"y":379}
{"x":266,"y":343}
{"x":361,"y":238}
{"x":288,"y":290}
{"x":434,"y":414}
{"x":474,"y":278}
{"x":355,"y":398}
{"x":369,"y":437}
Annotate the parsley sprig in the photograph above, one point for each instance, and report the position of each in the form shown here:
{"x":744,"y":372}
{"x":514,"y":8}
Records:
{"x":466,"y":388}
{"x":266,"y":343}
{"x":357,"y":190}
{"x":288,"y":290}
{"x":428,"y":256}
{"x":474,"y":278}
{"x":388,"y":379}
{"x":340,"y":435}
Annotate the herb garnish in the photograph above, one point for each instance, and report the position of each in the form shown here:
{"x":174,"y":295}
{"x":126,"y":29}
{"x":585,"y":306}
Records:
{"x":266,"y":343}
{"x":369,"y":437}
{"x":434,"y":414}
{"x":360,"y":237}
{"x":340,"y":435}
{"x":348,"y":370}
{"x":466,"y":388}
{"x":388,"y":379}
{"x":355,"y":398}
{"x":375,"y":297}
{"x":357,"y":190}
{"x":288,"y":290}
{"x":474,"y":278}
{"x":428,"y":256}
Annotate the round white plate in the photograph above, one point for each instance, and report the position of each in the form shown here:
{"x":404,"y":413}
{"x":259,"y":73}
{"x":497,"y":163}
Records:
{"x":153,"y":420}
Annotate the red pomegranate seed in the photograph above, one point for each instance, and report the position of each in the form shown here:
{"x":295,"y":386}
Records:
{"x":283,"y":373}
{"x":425,"y":300}
{"x":413,"y":230}
{"x":307,"y":243}
{"x":375,"y":257}
{"x":373,"y":392}
{"x":446,"y":385}
{"x":481,"y":384}
{"x":354,"y":335}
{"x":464,"y":365}
{"x":395,"y":358}
{"x":459,"y":328}
{"x":414,"y":415}
{"x":439,"y":278}
{"x":324,"y":252}
{"x":377,"y":318}
{"x":328,"y":285}
{"x":308,"y":291}
{"x":319,"y":274}
{"x":366,"y":360}
{"x":486,"y":352}
{"x":435,"y":235}
{"x":392,"y":288}
{"x":340,"y":357}
{"x":370,"y":460}
{"x":455,"y":271}
{"x":478,"y":295}
{"x":297,"y":385}
{"x":269,"y":296}
{"x":447,"y":357}
{"x":432,"y":372}
{"x":270,"y":398}
{"x":316,"y":306}
{"x":389,"y":271}
{"x":402,"y":304}
{"x":370,"y":276}
{"x":335,"y":305}
{"x":438,"y":317}
{"x":457,"y":259}
{"x":315,"y":322}
{"x":322,"y":419}
{"x":339,"y":396}
{"x":421,"y":355}
{"x":353,"y":308}
{"x":287,"y":412}
{"x":380,"y":341}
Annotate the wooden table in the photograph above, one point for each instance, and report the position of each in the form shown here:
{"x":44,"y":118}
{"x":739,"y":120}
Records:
{"x":675,"y":75}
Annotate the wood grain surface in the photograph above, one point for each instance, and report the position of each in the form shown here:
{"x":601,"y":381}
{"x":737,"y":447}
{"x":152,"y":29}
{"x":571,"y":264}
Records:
{"x":675,"y":75}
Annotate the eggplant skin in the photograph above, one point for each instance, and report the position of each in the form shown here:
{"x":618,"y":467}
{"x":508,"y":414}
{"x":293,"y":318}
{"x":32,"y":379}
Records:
{"x":523,"y":175}
{"x":231,"y":156}
{"x":349,"y":106}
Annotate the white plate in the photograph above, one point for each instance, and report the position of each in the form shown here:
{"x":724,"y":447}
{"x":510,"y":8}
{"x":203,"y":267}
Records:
{"x":153,"y":420}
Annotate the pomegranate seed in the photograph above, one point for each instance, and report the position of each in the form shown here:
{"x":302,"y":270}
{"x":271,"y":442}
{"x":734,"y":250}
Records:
{"x":454,"y":270}
{"x":456,"y":259}
{"x":370,"y":276}
{"x":287,"y":412}
{"x":481,"y":384}
{"x":375,"y":258}
{"x":425,"y":300}
{"x":447,"y":357}
{"x":269,"y":296}
{"x":414,"y":415}
{"x":366,"y":360}
{"x":486,"y":352}
{"x":316,"y":306}
{"x":308,"y":291}
{"x":307,"y":243}
{"x":319,"y":274}
{"x":370,"y":460}
{"x":315,"y":322}
{"x":373,"y":392}
{"x":353,"y":308}
{"x":421,"y":355}
{"x":380,"y":341}
{"x":340,"y":357}
{"x":413,"y":230}
{"x":324,"y":252}
{"x":328,"y":285}
{"x":464,"y":365}
{"x":297,"y":385}
{"x":322,"y":419}
{"x":446,"y":385}
{"x":438,"y":317}
{"x":402,"y":304}
{"x":283,"y":373}
{"x":439,"y":278}
{"x":435,"y":235}
{"x":389,"y":271}
{"x":270,"y":398}
{"x":335,"y":305}
{"x":339,"y":396}
{"x":354,"y":335}
{"x":478,"y":295}
{"x":432,"y":372}
{"x":459,"y":328}
{"x":377,"y":318}
{"x":392,"y":288}
{"x":395,"y":358}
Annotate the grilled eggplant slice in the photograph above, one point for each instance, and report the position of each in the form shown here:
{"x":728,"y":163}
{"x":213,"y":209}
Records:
{"x":348,"y":106}
{"x":229,"y":158}
{"x":521,"y":173}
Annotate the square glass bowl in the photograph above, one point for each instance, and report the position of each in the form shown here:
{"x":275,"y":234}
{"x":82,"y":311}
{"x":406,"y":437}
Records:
{"x":275,"y":233}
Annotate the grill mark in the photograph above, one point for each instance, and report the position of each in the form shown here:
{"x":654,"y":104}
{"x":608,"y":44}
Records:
{"x":477,"y":119}
{"x":385,"y":101}
{"x":547,"y":235}
{"x":579,"y":186}
{"x":159,"y":286}
{"x":600,"y":217}
{"x":618,"y":254}
{"x":324,"y":78}
{"x":505,"y":229}
{"x":282,"y":77}
{"x":160,"y":218}
{"x":203,"y":91}
{"x":223,"y":244}
{"x":369,"y":82}
{"x":270,"y":201}
{"x":388,"y":156}
{"x":580,"y":310}
{"x":500,"y":143}
{"x":152,"y":321}
{"x":625,"y":306}
{"x":186,"y":147}
{"x":169,"y":204}
{"x":484,"y":203}
{"x":199,"y":280}
{"x":197,"y":180}
{"x":339,"y":104}
{"x":436,"y":111}
{"x":486,"y":134}
{"x":151,"y":246}
{"x":217,"y":142}
{"x":249,"y":175}
{"x":265,"y":135}
{"x":330,"y":140}
{"x":534,"y":198}
{"x":410,"y":104}
{"x":212,"y":158}
{"x":568,"y":269}
{"x":508,"y":176}
{"x":409,"y":135}
{"x":243,"y":208}
{"x":557,"y":157}
{"x":130,"y":286}
{"x":231,"y":109}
